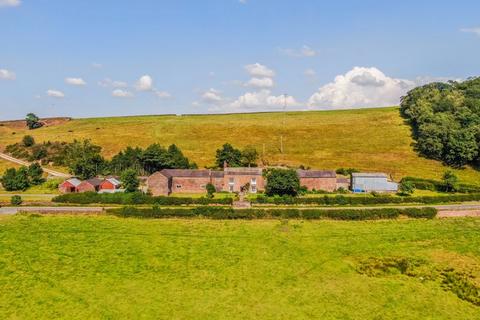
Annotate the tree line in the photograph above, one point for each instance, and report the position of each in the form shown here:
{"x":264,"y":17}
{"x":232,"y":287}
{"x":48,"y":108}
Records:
{"x":445,"y":118}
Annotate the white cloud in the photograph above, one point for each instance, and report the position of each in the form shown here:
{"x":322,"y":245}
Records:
{"x":107,"y":82}
{"x":145,"y":83}
{"x":119,"y":93}
{"x":75,"y":81}
{"x":97,"y":65}
{"x":55,"y":94}
{"x":304,"y":51}
{"x":361,"y":87}
{"x":212,"y":96}
{"x":7,"y":75}
{"x":260,"y":83}
{"x":10,"y":3}
{"x":472,"y":30}
{"x":310,"y":73}
{"x":162,"y":94}
{"x":243,"y":1}
{"x":261,"y":100}
{"x":260,"y":71}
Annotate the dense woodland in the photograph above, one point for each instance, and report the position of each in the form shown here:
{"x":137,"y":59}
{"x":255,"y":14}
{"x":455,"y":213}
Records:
{"x":445,"y":118}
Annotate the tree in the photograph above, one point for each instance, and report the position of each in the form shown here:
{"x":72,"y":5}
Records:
{"x":130,"y":158}
{"x":130,"y":180}
{"x":15,"y":180}
{"x":154,"y":158}
{"x":210,"y":190}
{"x":282,"y":182}
{"x":84,"y":159}
{"x":229,"y":155}
{"x":249,"y":156}
{"x":33,"y":122}
{"x":35,"y":174}
{"x":445,"y":120}
{"x":176,"y":159}
{"x":450,"y":181}
{"x":28,"y":141}
{"x":406,"y":188}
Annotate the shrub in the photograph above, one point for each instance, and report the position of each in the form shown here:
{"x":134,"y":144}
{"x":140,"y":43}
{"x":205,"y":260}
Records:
{"x":28,"y":141}
{"x":210,"y":190}
{"x":16,"y":200}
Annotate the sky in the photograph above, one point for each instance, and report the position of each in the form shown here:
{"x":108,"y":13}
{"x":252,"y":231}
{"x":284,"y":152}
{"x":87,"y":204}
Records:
{"x":111,"y":58}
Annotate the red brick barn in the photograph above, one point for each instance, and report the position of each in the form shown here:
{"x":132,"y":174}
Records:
{"x":90,"y":185}
{"x":110,"y":185}
{"x":69,"y":186}
{"x":171,"y":181}
{"x":325,"y":180}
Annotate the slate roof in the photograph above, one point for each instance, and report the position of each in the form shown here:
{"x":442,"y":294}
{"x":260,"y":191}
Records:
{"x":191,"y":173}
{"x":243,"y":171}
{"x":316,"y":174}
{"x":94,"y":182}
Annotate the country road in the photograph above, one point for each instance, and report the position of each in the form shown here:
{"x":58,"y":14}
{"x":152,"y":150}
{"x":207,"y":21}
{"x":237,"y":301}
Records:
{"x":25,"y":163}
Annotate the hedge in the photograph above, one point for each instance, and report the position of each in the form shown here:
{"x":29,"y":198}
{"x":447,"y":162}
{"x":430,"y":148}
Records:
{"x":308,"y":214}
{"x":135,"y":198}
{"x":367,"y":200}
{"x":434,"y":185}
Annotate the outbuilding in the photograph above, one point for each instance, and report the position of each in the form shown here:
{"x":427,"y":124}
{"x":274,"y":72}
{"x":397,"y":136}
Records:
{"x":69,"y":186}
{"x":369,"y":182}
{"x":90,"y":185}
{"x":110,"y":185}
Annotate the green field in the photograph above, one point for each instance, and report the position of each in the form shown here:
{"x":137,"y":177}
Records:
{"x":368,"y":139}
{"x":110,"y":268}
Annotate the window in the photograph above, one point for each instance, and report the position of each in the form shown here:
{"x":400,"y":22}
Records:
{"x":253,"y":181}
{"x":253,"y":188}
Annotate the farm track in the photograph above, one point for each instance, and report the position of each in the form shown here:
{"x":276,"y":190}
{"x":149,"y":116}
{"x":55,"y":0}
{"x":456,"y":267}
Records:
{"x":25,"y":163}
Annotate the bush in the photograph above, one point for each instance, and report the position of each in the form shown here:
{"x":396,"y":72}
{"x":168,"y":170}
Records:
{"x":28,"y":141}
{"x":210,"y":190}
{"x":135,"y":198}
{"x":16,"y":200}
{"x":311,"y":214}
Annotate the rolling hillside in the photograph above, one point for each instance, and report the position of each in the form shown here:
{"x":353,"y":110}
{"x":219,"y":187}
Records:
{"x":367,"y":139}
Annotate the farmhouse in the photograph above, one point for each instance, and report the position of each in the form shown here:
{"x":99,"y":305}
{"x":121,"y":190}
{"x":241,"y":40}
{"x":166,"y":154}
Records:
{"x":318,"y":179}
{"x":368,"y":182}
{"x":170,"y":181}
{"x":237,"y":179}
{"x":69,"y":186}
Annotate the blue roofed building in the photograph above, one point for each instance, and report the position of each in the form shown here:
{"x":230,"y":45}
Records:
{"x":368,"y":182}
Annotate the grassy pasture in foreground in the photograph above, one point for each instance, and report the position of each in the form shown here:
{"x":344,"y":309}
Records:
{"x":106,"y":267}
{"x":367,"y":139}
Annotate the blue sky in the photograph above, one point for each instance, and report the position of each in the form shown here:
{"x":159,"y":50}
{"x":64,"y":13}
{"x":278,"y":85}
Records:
{"x":101,"y":58}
